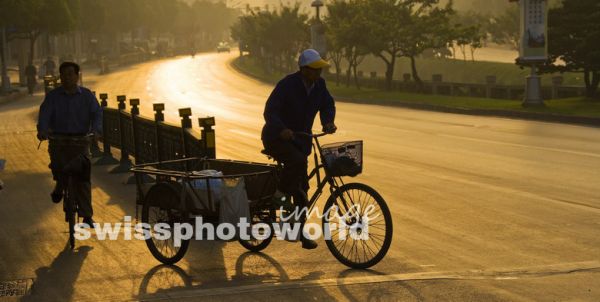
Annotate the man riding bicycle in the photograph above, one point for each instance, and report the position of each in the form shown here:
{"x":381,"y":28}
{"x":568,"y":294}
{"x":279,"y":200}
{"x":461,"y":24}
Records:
{"x":70,"y":111}
{"x":292,"y":107}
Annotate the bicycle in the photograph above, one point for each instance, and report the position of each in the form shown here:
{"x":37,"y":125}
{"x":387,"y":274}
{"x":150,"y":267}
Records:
{"x":70,"y":170}
{"x":348,"y":204}
{"x":358,"y":208}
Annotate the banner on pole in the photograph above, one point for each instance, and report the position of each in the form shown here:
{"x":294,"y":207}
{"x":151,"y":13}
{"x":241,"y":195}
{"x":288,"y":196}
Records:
{"x":534,"y":30}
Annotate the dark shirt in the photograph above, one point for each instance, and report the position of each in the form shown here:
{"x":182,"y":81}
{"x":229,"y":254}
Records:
{"x":291,"y":105}
{"x":64,"y":113}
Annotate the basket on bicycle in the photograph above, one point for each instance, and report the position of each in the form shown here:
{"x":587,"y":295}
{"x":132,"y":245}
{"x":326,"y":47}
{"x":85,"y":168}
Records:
{"x":343,"y":158}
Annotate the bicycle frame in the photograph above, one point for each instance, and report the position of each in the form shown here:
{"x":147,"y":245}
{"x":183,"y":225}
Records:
{"x":333,"y":182}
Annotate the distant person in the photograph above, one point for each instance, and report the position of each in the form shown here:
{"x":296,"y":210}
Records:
{"x":70,"y":111}
{"x":50,"y":66}
{"x":292,"y":107}
{"x":31,"y":73}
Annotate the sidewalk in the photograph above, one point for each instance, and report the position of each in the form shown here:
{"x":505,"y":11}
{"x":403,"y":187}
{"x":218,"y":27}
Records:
{"x":33,"y":233}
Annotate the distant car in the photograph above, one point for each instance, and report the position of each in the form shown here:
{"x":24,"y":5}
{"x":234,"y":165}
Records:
{"x":223,"y":47}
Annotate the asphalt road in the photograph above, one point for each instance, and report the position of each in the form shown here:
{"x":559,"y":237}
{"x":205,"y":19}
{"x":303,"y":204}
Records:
{"x":484,"y":209}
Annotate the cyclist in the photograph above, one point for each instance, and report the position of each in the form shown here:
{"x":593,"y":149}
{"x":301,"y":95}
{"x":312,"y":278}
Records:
{"x":292,"y":107}
{"x":71,"y":111}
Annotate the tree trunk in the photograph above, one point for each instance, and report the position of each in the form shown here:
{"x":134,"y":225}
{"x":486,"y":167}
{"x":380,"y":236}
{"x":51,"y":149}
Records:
{"x":32,"y":37}
{"x":389,"y":73}
{"x":415,"y":75}
{"x":355,"y":75}
{"x":348,"y":74}
{"x":472,"y":53}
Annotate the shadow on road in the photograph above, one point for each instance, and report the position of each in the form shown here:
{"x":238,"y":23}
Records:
{"x":378,"y":292}
{"x":251,"y":269}
{"x":56,"y":282}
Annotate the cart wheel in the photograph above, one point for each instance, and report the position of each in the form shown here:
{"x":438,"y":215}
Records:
{"x":363,"y":229}
{"x":161,"y":206}
{"x":256,"y":244}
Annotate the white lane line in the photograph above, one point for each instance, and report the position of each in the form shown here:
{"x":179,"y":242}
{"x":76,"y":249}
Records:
{"x":503,"y":274}
{"x":243,"y":133}
{"x":521,"y":145}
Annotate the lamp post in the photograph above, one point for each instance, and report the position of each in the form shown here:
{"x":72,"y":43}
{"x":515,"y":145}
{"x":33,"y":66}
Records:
{"x":317,"y":31}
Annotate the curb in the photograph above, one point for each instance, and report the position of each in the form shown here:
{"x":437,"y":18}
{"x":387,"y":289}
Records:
{"x":533,"y":116}
{"x":13,"y":96}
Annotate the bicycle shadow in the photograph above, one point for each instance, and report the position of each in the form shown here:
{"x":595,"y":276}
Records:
{"x":251,"y":271}
{"x":378,"y":292}
{"x":56,"y":282}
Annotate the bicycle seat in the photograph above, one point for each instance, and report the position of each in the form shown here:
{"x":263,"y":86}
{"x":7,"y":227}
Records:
{"x":78,"y":165}
{"x":265,"y":152}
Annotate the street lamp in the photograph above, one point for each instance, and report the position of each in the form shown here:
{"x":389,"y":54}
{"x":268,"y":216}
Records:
{"x":317,"y":4}
{"x":317,"y":31}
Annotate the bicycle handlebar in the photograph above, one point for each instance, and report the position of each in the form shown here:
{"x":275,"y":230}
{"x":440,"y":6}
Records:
{"x":68,"y":137}
{"x":311,"y":135}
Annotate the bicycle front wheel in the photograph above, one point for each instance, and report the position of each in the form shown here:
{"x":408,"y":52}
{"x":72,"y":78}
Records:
{"x":358,"y":225}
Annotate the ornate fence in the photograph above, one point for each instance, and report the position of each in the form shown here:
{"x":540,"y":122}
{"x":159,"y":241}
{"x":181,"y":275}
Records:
{"x":150,"y":140}
{"x":489,"y":89}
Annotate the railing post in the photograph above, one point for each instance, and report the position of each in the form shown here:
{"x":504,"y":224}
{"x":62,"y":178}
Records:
{"x":436,"y":79}
{"x":135,"y":111}
{"x":107,"y":158}
{"x":208,"y":136}
{"x":557,"y":81}
{"x":94,"y":149}
{"x":124,"y":162}
{"x":159,"y":117}
{"x":490,"y":82}
{"x":186,"y":123}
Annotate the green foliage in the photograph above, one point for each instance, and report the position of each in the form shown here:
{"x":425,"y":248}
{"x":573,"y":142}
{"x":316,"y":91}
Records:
{"x":275,"y":37}
{"x":505,"y":28}
{"x":574,"y":41}
{"x":346,"y":41}
{"x":470,"y":30}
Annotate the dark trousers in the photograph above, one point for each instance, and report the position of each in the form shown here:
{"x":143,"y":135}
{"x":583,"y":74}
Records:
{"x":295,"y":163}
{"x":74,"y":158}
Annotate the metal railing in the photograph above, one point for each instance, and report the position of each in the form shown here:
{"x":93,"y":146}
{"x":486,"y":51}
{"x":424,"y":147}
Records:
{"x":150,"y":140}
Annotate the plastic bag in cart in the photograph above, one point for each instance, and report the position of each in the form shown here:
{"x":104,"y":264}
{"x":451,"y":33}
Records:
{"x":234,"y":203}
{"x":200,"y":185}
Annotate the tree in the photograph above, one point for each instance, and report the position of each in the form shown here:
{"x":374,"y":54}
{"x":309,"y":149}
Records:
{"x":470,"y":29}
{"x":505,"y":28}
{"x":32,"y":17}
{"x":273,"y":37}
{"x":574,"y":41}
{"x":335,"y":53}
{"x":344,"y":20}
{"x":388,"y":28}
{"x":428,"y":26}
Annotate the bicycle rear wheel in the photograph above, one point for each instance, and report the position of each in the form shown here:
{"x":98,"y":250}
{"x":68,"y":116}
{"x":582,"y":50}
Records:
{"x":257,"y":244}
{"x":359,"y":225}
{"x":161,"y":208}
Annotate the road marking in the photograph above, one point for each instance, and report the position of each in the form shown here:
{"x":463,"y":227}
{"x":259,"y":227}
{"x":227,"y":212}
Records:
{"x":243,"y":133}
{"x":521,"y":145}
{"x":502,"y":274}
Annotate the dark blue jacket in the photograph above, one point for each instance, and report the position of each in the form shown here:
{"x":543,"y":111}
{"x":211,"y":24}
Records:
{"x":290,"y":107}
{"x":78,"y":113}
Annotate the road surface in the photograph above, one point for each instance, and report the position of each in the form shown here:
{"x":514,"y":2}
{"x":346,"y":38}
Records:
{"x":484,"y":209}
